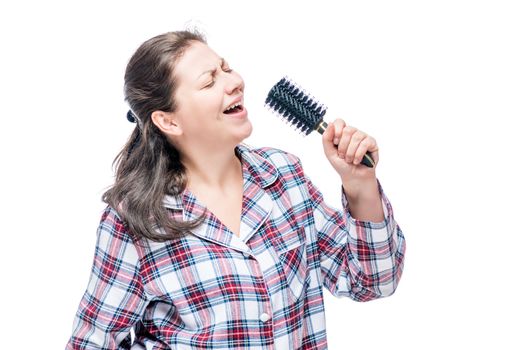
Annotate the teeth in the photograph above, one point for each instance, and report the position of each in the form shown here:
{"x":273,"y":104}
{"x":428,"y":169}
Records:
{"x":233,"y":106}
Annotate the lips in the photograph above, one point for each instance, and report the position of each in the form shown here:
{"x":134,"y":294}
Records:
{"x":235,"y":106}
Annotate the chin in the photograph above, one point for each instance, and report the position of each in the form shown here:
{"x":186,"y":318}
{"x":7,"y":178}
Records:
{"x":244,"y":131}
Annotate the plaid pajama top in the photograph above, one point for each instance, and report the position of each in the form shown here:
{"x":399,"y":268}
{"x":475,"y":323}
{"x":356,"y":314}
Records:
{"x":214,"y":290}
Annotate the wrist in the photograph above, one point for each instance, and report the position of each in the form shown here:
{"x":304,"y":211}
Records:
{"x":364,"y":202}
{"x":361,"y":191}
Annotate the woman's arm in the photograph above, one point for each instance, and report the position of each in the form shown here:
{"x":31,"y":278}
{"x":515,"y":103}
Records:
{"x":367,"y":204}
{"x":114,"y":299}
{"x":359,"y":259}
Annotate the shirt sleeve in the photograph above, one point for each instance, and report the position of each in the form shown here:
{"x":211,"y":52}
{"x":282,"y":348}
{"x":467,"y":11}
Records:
{"x":114,"y":299}
{"x":362,"y":260}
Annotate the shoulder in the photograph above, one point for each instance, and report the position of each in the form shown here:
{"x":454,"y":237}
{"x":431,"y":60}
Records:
{"x":112,"y":225}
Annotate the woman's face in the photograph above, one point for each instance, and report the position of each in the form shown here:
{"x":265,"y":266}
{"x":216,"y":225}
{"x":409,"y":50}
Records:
{"x":206,"y":89}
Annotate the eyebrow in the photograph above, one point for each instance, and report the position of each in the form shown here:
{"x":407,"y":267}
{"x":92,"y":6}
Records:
{"x":212,"y":71}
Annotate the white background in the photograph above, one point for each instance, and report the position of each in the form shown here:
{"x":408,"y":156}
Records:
{"x":439,"y":84}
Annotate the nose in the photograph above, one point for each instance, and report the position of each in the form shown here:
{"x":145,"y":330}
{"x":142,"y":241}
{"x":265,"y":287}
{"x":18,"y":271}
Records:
{"x":235,"y":83}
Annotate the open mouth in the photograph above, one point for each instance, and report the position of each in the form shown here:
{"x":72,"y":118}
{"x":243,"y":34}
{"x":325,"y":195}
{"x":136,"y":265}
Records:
{"x":235,"y":108}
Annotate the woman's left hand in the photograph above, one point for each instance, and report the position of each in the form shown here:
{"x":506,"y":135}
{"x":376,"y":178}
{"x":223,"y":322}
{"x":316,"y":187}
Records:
{"x":352,"y":145}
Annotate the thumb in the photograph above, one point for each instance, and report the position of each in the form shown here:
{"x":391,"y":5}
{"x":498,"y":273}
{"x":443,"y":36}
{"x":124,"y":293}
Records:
{"x":327,"y":140}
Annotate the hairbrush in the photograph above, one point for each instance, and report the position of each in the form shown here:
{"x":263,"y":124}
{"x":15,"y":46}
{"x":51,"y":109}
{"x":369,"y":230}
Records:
{"x":301,"y":110}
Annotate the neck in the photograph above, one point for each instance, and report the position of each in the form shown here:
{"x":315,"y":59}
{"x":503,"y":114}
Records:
{"x":216,"y":169}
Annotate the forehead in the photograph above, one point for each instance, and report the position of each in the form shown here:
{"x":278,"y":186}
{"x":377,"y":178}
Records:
{"x":197,"y":58}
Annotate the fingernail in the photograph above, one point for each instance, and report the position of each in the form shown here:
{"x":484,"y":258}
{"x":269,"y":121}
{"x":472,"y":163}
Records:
{"x":335,"y":141}
{"x":356,"y":162}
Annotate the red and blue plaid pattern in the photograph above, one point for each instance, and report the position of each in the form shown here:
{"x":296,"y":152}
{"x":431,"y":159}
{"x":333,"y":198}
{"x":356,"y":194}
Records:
{"x":214,"y":290}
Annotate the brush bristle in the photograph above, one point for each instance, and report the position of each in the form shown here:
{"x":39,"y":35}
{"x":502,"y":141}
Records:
{"x":295,"y":106}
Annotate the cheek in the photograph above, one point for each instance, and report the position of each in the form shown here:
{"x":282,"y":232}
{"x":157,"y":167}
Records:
{"x":210,"y":103}
{"x":199,"y":106}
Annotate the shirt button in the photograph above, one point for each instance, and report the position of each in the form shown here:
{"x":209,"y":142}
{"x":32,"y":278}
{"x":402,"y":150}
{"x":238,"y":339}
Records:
{"x":264,"y":317}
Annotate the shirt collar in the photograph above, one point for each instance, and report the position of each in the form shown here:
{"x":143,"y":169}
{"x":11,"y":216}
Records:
{"x":254,"y":167}
{"x":262,"y":169}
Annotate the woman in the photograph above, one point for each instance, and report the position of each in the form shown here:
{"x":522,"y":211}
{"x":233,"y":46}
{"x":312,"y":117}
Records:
{"x":210,"y":243}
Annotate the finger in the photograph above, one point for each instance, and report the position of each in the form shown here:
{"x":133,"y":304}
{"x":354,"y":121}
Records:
{"x":373,"y":149}
{"x":375,"y":156}
{"x":339,"y":126}
{"x":356,"y":139}
{"x":363,"y":147}
{"x":347,"y":133}
{"x":327,"y":139}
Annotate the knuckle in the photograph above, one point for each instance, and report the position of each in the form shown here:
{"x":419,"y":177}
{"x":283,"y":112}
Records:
{"x":347,"y":131}
{"x":359,"y":135}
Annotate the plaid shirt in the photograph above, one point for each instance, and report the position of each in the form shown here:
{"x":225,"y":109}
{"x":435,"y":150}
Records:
{"x":214,"y":290}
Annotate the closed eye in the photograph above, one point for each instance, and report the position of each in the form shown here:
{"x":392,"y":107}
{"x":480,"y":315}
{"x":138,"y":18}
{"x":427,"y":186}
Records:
{"x":225,"y":69}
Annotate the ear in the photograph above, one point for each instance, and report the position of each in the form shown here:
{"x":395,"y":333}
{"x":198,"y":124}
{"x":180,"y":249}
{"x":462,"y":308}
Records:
{"x":166,"y":122}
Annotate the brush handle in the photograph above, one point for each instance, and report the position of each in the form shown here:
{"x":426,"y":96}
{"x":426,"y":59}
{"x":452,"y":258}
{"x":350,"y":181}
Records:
{"x":367,"y":160}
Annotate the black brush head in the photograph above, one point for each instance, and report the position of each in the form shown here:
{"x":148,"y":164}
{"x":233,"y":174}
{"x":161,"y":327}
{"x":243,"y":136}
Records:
{"x":295,"y":105}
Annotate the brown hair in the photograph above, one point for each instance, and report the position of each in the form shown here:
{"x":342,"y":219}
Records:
{"x":149,"y":167}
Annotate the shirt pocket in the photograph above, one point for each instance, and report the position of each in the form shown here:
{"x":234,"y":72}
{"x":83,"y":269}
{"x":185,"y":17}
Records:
{"x":291,"y":249}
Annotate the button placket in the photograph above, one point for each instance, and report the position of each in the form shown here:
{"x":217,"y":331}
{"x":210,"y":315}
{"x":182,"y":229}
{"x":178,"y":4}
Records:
{"x":264,"y":316}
